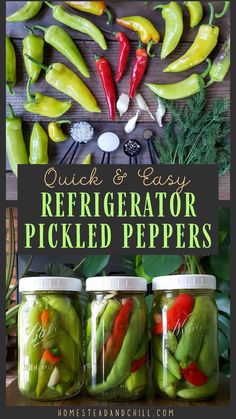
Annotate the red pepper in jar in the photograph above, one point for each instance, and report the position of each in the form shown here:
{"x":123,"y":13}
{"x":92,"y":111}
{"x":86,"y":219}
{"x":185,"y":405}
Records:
{"x":176,"y":315}
{"x":139,"y":68}
{"x":194,"y":376}
{"x":138,"y":363}
{"x":123,"y":54}
{"x":115,"y":340}
{"x":104,"y":71}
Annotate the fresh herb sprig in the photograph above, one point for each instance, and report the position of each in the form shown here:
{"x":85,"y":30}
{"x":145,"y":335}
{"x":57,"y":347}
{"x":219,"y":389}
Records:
{"x":196,"y":134}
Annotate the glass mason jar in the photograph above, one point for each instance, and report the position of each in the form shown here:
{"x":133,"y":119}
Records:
{"x":50,"y":341}
{"x":184,"y":337}
{"x":116,"y":338}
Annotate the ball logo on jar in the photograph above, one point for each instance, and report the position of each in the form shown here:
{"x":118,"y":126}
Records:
{"x":37,"y":333}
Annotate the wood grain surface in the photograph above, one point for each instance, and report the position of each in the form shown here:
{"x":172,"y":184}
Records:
{"x":101,"y":121}
{"x":14,"y":398}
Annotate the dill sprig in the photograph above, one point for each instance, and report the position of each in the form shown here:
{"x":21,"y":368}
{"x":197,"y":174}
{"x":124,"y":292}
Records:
{"x":196,"y":134}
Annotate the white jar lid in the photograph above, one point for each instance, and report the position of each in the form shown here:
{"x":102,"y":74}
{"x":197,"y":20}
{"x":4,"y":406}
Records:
{"x":185,"y":281}
{"x":116,"y":283}
{"x":49,"y":283}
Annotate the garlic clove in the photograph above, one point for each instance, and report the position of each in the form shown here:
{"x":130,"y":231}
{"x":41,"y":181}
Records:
{"x":131,"y":124}
{"x":143,"y":105}
{"x":54,"y":378}
{"x":161,"y":110}
{"x":98,"y":307}
{"x":122,"y":104}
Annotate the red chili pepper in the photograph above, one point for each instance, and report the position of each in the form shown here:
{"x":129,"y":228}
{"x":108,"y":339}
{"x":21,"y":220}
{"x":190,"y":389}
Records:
{"x":104,"y":71}
{"x":177,"y":314}
{"x":48,"y":356}
{"x":194,"y":376}
{"x":138,"y":363}
{"x":115,"y":340}
{"x":123,"y":54}
{"x":139,"y":68}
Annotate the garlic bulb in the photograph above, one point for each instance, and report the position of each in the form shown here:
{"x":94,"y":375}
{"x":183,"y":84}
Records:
{"x":161,"y":110}
{"x":131,"y":124}
{"x":54,"y":378}
{"x":143,"y":105}
{"x":123,"y":104}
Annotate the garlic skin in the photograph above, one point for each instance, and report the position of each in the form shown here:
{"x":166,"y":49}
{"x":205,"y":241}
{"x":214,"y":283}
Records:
{"x":131,"y":124}
{"x":54,"y":378}
{"x":98,"y":307}
{"x":122,"y":104}
{"x":143,"y":105}
{"x":161,"y":110}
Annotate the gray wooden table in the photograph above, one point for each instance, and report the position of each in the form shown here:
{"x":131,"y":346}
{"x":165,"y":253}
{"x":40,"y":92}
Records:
{"x":101,"y":121}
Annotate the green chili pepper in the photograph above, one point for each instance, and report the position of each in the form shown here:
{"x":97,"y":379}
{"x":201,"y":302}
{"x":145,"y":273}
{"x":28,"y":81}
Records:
{"x":33,"y":45}
{"x":59,"y":39}
{"x":78,"y":23}
{"x":87,"y":159}
{"x":193,"y":334}
{"x":55,"y":132}
{"x":163,"y":379}
{"x":56,"y":337}
{"x":168,"y":361}
{"x":171,"y":342}
{"x":28,"y":11}
{"x":201,"y":392}
{"x":203,"y":45}
{"x":208,"y":357}
{"x":10,"y":66}
{"x":69,"y":318}
{"x":66,"y":81}
{"x":182,"y":89}
{"x":195,"y":11}
{"x":173,"y":16}
{"x":45,"y":105}
{"x":15,"y":144}
{"x":45,"y":369}
{"x":31,"y":353}
{"x":137,"y":381}
{"x":132,"y":340}
{"x":38,"y":145}
{"x":221,"y":64}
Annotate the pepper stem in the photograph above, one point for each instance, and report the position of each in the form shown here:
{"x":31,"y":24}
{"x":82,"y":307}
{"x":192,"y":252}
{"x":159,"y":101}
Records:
{"x":11,"y":110}
{"x":109,"y":15}
{"x":96,"y":56}
{"x":204,"y":74}
{"x":212,"y":13}
{"x":41,"y":28}
{"x":30,"y":97}
{"x":49,"y":4}
{"x":158,"y":6}
{"x":44,"y":67}
{"x":209,"y":83}
{"x":64,"y":121}
{"x":149,"y":46}
{"x":224,"y":11}
{"x":10,"y":89}
{"x":29,"y":29}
